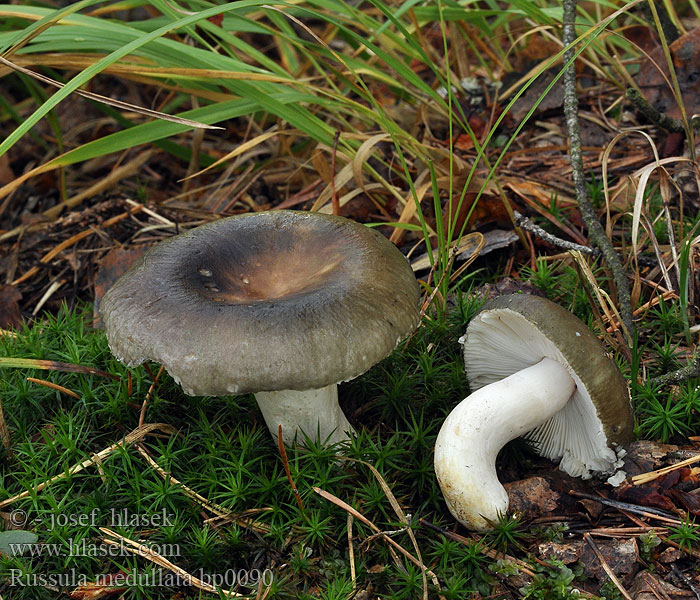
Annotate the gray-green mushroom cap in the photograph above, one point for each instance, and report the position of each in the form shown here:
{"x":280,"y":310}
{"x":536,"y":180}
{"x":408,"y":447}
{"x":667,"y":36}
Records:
{"x":279,"y":300}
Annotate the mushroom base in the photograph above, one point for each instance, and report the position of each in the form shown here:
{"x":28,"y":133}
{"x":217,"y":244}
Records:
{"x":315,"y":413}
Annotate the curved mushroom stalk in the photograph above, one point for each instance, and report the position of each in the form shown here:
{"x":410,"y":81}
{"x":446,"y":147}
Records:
{"x":480,"y":425}
{"x":313,"y":412}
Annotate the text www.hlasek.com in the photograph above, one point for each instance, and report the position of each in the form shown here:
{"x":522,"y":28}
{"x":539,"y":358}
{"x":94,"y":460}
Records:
{"x":85,"y":548}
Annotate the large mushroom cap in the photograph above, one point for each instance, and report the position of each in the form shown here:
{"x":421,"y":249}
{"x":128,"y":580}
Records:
{"x":517,"y":331}
{"x":269,"y":301}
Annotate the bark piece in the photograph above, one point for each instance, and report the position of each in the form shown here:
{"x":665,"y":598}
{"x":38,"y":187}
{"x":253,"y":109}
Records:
{"x":532,"y":497}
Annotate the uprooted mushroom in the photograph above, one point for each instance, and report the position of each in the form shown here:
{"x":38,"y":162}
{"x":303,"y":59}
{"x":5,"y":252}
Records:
{"x":536,"y":371}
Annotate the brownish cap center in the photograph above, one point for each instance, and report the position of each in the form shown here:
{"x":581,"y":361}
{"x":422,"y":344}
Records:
{"x":265,"y":264}
{"x":265,"y":279}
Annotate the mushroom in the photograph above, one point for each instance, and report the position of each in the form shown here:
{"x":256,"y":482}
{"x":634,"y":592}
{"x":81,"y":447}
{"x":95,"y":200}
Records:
{"x":283,"y":304}
{"x":536,"y":371}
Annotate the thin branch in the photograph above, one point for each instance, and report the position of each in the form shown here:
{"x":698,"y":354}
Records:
{"x":690,"y":371}
{"x":659,"y":119}
{"x":334,"y":192}
{"x":524,"y":223}
{"x":4,"y":431}
{"x":595,"y":229}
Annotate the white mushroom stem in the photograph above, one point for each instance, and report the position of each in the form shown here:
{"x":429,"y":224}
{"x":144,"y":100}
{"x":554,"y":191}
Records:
{"x":314,"y":412}
{"x":480,"y":425}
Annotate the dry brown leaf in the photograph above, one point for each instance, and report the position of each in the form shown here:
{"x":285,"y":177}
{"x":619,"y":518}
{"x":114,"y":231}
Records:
{"x":655,"y":82}
{"x":10,"y":314}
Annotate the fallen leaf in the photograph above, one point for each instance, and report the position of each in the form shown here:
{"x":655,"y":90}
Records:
{"x":641,"y":35}
{"x":592,"y":507}
{"x":112,"y":266}
{"x":10,"y":314}
{"x":621,"y":555}
{"x":670,"y":555}
{"x":648,"y":587}
{"x":644,"y":496}
{"x":654,"y":74}
{"x":553,"y":100}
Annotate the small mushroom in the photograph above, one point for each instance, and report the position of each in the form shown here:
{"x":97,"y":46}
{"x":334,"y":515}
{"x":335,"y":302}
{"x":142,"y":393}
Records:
{"x":536,"y":371}
{"x":283,"y":304}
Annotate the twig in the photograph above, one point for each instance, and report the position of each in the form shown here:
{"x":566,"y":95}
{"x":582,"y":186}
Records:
{"x":615,"y":532}
{"x":690,"y":371}
{"x":134,"y":436}
{"x":595,"y":229}
{"x":606,"y":566}
{"x":659,"y":119}
{"x":351,"y":553}
{"x":645,"y":511}
{"x":660,"y":533}
{"x":524,"y":223}
{"x":4,"y":431}
{"x":334,"y":192}
{"x":652,"y":475}
{"x":134,"y":547}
